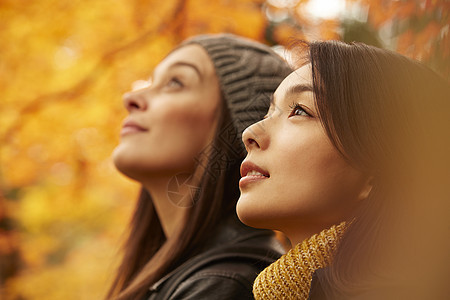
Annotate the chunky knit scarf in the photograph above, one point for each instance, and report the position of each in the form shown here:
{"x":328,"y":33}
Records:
{"x":290,"y":276}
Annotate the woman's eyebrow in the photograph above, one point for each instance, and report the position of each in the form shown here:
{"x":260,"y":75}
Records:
{"x":293,"y":90}
{"x":299,"y":88}
{"x":187,"y":64}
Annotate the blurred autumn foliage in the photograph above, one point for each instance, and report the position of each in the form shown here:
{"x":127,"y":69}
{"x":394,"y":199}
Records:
{"x":415,"y":28}
{"x":63,"y":67}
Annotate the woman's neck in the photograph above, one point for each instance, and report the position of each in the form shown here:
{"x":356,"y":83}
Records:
{"x":299,"y":231}
{"x":172,"y":198}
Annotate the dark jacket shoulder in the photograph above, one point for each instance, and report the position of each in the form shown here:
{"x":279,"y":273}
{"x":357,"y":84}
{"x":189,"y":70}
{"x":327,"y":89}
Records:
{"x":225,"y":269}
{"x":226,"y":280}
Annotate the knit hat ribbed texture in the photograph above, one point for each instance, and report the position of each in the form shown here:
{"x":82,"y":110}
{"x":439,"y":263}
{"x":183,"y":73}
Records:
{"x":248,"y":73}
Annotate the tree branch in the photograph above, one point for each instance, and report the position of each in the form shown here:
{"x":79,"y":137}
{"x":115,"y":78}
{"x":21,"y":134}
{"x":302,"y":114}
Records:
{"x":103,"y":64}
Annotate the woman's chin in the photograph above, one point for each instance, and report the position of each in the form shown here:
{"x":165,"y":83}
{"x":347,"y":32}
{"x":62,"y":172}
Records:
{"x":247,"y":214}
{"x":119,"y":160}
{"x":126,"y":166}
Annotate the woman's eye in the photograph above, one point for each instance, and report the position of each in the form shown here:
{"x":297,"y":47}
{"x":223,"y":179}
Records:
{"x":297,"y":110}
{"x":174,"y":83}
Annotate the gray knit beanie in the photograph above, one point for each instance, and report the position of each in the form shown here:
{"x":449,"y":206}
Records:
{"x":248,"y":73}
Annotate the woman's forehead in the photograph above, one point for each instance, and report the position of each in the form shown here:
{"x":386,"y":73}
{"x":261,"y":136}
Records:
{"x":297,"y":82}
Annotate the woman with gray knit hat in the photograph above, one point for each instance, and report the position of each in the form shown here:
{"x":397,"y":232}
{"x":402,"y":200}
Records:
{"x":182,"y":142}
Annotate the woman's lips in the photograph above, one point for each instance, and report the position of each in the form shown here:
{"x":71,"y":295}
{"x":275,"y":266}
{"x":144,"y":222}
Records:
{"x":130,"y":127}
{"x":251,"y":173}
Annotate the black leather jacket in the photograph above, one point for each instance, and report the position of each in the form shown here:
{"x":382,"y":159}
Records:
{"x":225,"y":269}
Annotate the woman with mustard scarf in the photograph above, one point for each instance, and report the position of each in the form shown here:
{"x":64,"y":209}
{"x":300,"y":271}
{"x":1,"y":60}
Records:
{"x":352,"y":164}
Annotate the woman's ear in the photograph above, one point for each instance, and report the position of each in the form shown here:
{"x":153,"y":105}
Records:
{"x":366,"y":188}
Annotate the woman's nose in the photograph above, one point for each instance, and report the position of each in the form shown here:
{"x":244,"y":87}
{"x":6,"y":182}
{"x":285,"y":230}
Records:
{"x":255,"y":136}
{"x":135,"y":100}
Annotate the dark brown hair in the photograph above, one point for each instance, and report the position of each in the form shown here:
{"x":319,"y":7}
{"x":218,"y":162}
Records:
{"x":388,"y":116}
{"x":148,"y":255}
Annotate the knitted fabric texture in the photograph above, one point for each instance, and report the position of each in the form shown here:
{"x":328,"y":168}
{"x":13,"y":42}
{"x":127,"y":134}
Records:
{"x":290,"y":276}
{"x":248,"y":73}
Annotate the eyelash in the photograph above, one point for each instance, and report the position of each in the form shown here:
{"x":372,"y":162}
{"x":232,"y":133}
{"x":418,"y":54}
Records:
{"x":296,"y":106}
{"x":175,"y":80}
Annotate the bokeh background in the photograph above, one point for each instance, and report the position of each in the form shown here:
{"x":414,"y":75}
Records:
{"x":64,"y":64}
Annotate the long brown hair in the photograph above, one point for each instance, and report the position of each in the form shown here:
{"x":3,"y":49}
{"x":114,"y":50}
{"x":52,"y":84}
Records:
{"x":389,"y":117}
{"x":148,"y":255}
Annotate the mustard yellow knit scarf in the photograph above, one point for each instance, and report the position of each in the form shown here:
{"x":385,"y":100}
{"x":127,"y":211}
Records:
{"x":290,"y":276}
